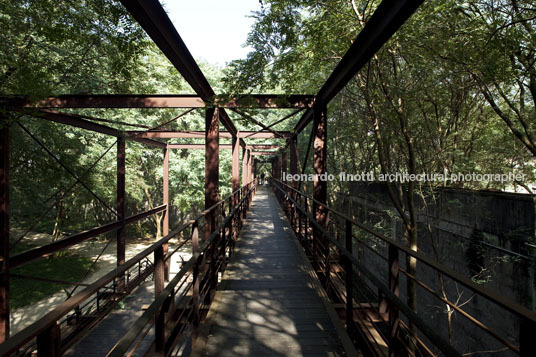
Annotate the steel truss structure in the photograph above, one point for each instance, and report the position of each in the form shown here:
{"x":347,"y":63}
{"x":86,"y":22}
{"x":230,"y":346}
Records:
{"x":222,"y":218}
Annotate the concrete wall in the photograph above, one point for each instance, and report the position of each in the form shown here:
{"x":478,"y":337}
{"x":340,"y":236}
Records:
{"x":484,"y":235}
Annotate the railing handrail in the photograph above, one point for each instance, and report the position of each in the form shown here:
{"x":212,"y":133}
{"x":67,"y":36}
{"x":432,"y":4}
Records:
{"x":123,"y":345}
{"x":499,"y":299}
{"x":438,"y":341}
{"x":25,"y":335}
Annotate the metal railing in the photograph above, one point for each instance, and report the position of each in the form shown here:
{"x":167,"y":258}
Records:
{"x":180,"y":307}
{"x":55,"y":332}
{"x":371,"y":303}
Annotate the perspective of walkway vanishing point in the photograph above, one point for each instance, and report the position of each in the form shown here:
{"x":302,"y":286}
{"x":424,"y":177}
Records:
{"x":268,"y":294}
{"x":270,"y":302}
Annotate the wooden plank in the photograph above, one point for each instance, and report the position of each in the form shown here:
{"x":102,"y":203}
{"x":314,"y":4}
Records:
{"x":267,"y":303}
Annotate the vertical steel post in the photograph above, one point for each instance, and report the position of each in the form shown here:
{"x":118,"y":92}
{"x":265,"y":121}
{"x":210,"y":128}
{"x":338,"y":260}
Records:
{"x":49,"y":342}
{"x":527,"y":342}
{"x":319,"y":168}
{"x":195,"y":283}
{"x":244,"y":167}
{"x":255,"y":162}
{"x":277,"y":169}
{"x":284,"y":166}
{"x":160,"y":322}
{"x":4,"y":221}
{"x":250,"y":166}
{"x":165,"y":199}
{"x":211,"y":167}
{"x":120,"y":206}
{"x":235,"y":168}
{"x":273,"y":168}
{"x":393,"y":309}
{"x":212,"y":191}
{"x":349,"y":278}
{"x":293,"y":147}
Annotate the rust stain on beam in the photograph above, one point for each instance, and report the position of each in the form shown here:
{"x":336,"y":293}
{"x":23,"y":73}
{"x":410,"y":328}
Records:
{"x":260,"y":101}
{"x":269,"y":101}
{"x":261,"y":153}
{"x":119,"y":101}
{"x":201,"y":134}
{"x":198,"y":146}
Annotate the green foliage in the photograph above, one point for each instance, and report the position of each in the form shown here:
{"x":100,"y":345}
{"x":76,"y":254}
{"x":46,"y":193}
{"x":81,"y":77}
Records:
{"x":434,"y":81}
{"x":67,"y":47}
{"x":50,"y":48}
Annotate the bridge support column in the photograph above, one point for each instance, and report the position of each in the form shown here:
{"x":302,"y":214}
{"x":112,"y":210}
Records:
{"x":283,"y":166}
{"x":293,"y":146}
{"x":212,"y":146}
{"x":293,"y":167}
{"x":320,"y":186}
{"x":255,"y":163}
{"x":120,"y":207}
{"x":250,"y":166}
{"x":4,"y":221}
{"x":211,"y":166}
{"x":244,"y":167}
{"x":165,"y":199}
{"x":235,"y":168}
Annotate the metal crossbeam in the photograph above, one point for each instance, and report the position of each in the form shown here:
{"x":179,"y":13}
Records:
{"x":259,"y":101}
{"x":184,"y":134}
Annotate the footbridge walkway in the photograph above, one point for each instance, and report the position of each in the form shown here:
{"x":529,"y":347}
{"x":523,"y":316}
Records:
{"x":301,"y":278}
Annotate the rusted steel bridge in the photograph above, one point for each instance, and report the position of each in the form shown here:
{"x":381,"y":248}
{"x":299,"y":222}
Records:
{"x":285,"y":283}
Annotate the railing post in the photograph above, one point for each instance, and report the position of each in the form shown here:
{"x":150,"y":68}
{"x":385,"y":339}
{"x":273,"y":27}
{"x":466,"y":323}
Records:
{"x":320,"y":183}
{"x":165,"y":199}
{"x":527,"y":342}
{"x":4,"y":230}
{"x":327,"y":263}
{"x":392,"y":308}
{"x":213,"y":273}
{"x":120,"y":206}
{"x":49,"y":342}
{"x":306,"y":226}
{"x":349,"y":278}
{"x":301,"y":218}
{"x":195,"y":277}
{"x":158,"y":287}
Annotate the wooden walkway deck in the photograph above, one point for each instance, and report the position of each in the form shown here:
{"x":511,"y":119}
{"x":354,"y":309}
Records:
{"x":269,"y":303}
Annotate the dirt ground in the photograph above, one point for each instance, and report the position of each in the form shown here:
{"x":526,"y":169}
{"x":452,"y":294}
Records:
{"x":26,"y":315}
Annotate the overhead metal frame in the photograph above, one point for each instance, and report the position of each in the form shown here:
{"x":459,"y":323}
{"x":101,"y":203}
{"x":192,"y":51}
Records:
{"x":388,"y":17}
{"x":193,"y":134}
{"x":256,"y":101}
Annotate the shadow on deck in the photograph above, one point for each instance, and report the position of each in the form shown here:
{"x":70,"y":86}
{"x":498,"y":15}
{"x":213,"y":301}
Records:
{"x":269,"y":303}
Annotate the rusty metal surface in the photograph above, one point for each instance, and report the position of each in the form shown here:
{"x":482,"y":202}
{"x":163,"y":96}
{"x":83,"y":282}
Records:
{"x":328,"y":239}
{"x":185,"y":134}
{"x":79,"y":122}
{"x":211,"y":165}
{"x":4,"y":231}
{"x":235,"y":166}
{"x":267,"y":101}
{"x":28,"y":256}
{"x":120,"y":203}
{"x":43,"y":326}
{"x":187,"y":313}
{"x":389,"y":303}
